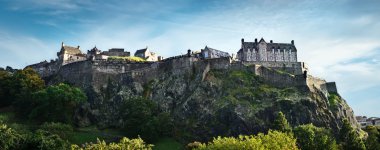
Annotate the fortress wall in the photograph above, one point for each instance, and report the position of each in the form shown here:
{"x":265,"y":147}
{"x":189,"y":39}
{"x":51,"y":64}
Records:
{"x":331,"y":87}
{"x":45,"y":69}
{"x":118,"y":66}
{"x":219,"y":63}
{"x":278,"y":79}
{"x":295,"y":68}
{"x":77,"y":73}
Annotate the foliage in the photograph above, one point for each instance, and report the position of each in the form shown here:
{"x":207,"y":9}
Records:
{"x":18,"y":86}
{"x":5,"y":88}
{"x":124,"y":144}
{"x":274,"y":140}
{"x":56,"y":103}
{"x":373,"y":140}
{"x":142,"y":118}
{"x":128,"y":58}
{"x":349,"y":138}
{"x":9,"y":138}
{"x":310,"y":137}
{"x":334,"y":100}
{"x":44,"y":140}
{"x":57,"y":128}
{"x":167,"y":144}
{"x":281,"y":124}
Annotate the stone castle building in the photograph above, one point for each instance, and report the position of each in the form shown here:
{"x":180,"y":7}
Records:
{"x":263,"y":51}
{"x":147,"y":55}
{"x":209,"y":53}
{"x":69,"y":54}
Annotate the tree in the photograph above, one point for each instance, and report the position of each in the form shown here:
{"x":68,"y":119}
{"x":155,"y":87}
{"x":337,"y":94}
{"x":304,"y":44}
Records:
{"x":56,"y":103}
{"x":310,"y":137}
{"x":281,"y":124}
{"x":5,"y":88}
{"x":24,"y":83}
{"x":349,"y":138}
{"x":372,"y":142}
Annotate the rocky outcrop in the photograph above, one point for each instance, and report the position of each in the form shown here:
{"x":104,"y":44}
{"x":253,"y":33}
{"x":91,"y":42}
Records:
{"x":206,"y":102}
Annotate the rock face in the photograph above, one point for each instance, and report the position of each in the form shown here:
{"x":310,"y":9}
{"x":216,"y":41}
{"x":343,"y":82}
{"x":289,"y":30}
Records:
{"x":205,"y":102}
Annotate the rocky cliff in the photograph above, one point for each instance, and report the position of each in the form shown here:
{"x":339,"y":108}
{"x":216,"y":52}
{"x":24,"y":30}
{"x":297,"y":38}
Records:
{"x":204,"y":102}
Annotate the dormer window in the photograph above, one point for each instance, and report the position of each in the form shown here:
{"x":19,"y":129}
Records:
{"x":278,"y":50}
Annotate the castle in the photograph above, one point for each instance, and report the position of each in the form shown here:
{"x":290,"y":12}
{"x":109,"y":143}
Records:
{"x":275,"y":62}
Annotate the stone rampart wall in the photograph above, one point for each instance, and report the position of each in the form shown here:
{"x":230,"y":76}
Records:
{"x":279,"y":79}
{"x":296,"y":68}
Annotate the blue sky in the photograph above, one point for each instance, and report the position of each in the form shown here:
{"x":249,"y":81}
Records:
{"x":340,"y":40}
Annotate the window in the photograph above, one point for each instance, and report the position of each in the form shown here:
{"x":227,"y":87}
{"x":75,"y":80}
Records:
{"x":278,"y":50}
{"x":290,"y":51}
{"x":272,"y":50}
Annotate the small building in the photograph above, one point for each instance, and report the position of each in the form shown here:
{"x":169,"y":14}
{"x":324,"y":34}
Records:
{"x":146,"y":54}
{"x":209,"y":53}
{"x":117,"y":52}
{"x":69,"y":54}
{"x":376,"y":122}
{"x":362,"y":120}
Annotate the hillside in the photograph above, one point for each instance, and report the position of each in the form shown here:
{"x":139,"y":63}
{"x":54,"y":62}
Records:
{"x":202,"y":102}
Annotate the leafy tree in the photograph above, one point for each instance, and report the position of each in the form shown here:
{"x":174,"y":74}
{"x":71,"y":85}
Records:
{"x":349,"y":138}
{"x":281,"y":124}
{"x":5,"y":88}
{"x":56,"y":103}
{"x":124,"y":144}
{"x":9,"y":138}
{"x":274,"y":140}
{"x":141,"y":117}
{"x":24,"y":83}
{"x":373,"y":140}
{"x":310,"y":137}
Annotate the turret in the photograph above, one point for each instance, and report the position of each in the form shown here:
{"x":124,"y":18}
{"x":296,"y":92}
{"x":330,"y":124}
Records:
{"x":292,"y":42}
{"x":242,"y":40}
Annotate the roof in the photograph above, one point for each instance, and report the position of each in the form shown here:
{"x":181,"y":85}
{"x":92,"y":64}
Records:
{"x":213,"y":49}
{"x":141,"y":51}
{"x":71,"y":50}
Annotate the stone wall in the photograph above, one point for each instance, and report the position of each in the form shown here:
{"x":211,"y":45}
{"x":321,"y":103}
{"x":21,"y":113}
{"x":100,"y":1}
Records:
{"x":279,"y":79}
{"x":296,"y":68}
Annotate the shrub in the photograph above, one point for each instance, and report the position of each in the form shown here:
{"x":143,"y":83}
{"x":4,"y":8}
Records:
{"x":124,"y":144}
{"x":57,"y":128}
{"x":274,"y":140}
{"x":9,"y":138}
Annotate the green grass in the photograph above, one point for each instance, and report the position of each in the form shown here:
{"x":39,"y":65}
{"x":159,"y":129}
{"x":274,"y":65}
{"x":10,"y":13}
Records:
{"x":167,"y":144}
{"x":91,"y":134}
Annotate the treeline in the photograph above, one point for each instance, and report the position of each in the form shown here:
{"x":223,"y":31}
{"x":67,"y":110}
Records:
{"x":307,"y":137}
{"x":26,"y":92}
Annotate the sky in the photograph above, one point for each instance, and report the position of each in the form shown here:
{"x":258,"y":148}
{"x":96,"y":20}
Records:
{"x":339,"y":40}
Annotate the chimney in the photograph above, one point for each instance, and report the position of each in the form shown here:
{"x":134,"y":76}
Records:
{"x":292,"y":42}
{"x":256,"y":40}
{"x":242,"y":40}
{"x":271,"y":41}
{"x":62,"y":44}
{"x":189,"y":53}
{"x":78,"y":47}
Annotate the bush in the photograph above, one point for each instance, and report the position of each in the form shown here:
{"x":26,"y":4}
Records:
{"x":44,"y":140}
{"x":274,"y":140}
{"x":57,"y":128}
{"x":9,"y":138}
{"x":124,"y":144}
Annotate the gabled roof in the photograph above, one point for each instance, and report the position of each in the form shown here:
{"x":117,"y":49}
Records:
{"x":141,"y":51}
